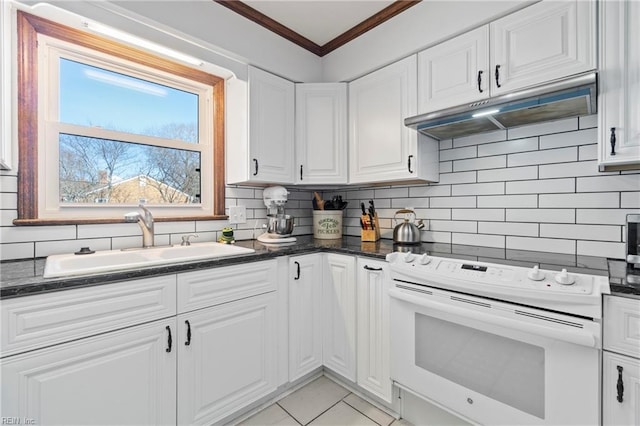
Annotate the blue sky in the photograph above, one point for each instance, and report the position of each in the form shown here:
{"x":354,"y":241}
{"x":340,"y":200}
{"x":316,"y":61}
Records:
{"x":94,"y":96}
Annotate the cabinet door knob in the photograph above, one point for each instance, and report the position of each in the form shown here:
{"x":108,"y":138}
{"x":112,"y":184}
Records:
{"x":620,"y":385}
{"x":169,"y":339}
{"x":613,"y":141}
{"x":409,"y":164}
{"x":498,"y":75}
{"x":480,"y":81}
{"x":297,"y":277}
{"x":188,"y":342}
{"x":255,"y":163}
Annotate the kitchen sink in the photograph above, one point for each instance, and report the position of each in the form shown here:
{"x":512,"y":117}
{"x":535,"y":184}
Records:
{"x":64,"y":265}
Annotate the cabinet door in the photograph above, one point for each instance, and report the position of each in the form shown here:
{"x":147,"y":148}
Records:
{"x":381,"y":147}
{"x":321,"y":133}
{"x":625,"y":371}
{"x":339,"y":310}
{"x":373,"y":328}
{"x":271,"y":128}
{"x":454,"y":72}
{"x":619,"y":80}
{"x":126,"y":377}
{"x":226,"y":358}
{"x":305,"y":315}
{"x":543,"y":42}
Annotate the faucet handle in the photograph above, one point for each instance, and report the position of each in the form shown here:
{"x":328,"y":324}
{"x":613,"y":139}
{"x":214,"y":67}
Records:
{"x":185,"y":239}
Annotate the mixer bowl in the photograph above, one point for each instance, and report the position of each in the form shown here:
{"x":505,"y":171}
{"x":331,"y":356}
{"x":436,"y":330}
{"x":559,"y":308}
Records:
{"x":280,"y":225}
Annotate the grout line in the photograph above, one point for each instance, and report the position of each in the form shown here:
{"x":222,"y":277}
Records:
{"x":351,"y":393}
{"x":288,"y":413}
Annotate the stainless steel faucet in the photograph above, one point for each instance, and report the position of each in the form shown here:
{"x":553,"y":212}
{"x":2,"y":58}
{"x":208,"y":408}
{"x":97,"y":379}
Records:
{"x":146,"y":224}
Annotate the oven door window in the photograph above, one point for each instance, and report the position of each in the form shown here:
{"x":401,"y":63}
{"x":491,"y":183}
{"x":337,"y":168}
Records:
{"x":500,"y":368}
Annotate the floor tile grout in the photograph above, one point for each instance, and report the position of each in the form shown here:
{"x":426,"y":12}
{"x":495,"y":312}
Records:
{"x":290,"y":415}
{"x":343,"y":400}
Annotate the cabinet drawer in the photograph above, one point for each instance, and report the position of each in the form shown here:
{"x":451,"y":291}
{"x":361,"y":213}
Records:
{"x":201,"y":289}
{"x":36,"y":321}
{"x":622,"y":325}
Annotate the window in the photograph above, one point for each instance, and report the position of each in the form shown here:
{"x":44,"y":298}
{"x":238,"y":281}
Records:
{"x":104,"y":127}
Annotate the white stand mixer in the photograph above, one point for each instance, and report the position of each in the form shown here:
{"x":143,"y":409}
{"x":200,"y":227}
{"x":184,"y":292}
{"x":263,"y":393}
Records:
{"x":279,"y":225}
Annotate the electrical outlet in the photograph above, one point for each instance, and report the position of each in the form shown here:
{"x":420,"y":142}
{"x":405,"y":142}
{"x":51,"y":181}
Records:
{"x":237,"y":214}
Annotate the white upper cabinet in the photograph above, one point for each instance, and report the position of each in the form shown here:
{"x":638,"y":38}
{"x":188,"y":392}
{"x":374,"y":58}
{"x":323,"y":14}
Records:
{"x":266,"y":153}
{"x":321,"y":133}
{"x":454,"y":72}
{"x":543,"y":42}
{"x":381,"y":148}
{"x":619,"y":80}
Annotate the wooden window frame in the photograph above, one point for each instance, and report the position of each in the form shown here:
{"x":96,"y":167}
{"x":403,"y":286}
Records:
{"x":29,"y":26}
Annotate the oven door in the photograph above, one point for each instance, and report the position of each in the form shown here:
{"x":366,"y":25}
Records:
{"x":493,"y":362}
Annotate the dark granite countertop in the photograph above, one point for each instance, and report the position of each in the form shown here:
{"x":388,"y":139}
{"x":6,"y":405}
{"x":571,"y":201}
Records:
{"x":21,"y":278}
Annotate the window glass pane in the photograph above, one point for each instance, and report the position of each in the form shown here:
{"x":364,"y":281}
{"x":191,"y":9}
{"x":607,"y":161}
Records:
{"x":94,"y":170}
{"x":91,"y":96}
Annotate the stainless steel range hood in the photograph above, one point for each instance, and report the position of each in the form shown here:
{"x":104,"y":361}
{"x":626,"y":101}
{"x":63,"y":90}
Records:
{"x":565,"y":98}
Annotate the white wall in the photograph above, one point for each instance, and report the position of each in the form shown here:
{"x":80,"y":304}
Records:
{"x":423,"y":25}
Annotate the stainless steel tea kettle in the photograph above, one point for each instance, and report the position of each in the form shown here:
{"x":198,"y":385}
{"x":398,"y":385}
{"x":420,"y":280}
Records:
{"x":407,"y":232}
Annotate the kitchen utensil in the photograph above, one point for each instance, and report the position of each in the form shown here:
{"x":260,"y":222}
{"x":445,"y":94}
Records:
{"x":280,"y":225}
{"x":406,"y":232}
{"x":319,"y":201}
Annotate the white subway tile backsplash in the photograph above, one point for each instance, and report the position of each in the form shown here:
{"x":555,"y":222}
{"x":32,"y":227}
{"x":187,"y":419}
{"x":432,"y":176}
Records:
{"x":17,"y":234}
{"x":446,"y":166}
{"x":436,"y":237}
{"x":513,"y":173}
{"x":478,"y":214}
{"x":581,"y":168}
{"x":507,"y":201}
{"x":430,"y":191}
{"x":541,"y":186}
{"x":602,"y":249}
{"x":8,"y":183}
{"x":561,"y":155}
{"x":453,"y":226}
{"x":588,"y":121}
{"x":595,"y":200}
{"x":458,"y":153}
{"x":542,"y":244}
{"x":461,"y":177}
{"x":440,"y":202}
{"x":588,"y":152}
{"x":402,"y":203}
{"x":508,"y":228}
{"x":9,"y":200}
{"x":559,"y":140}
{"x":581,"y":232}
{"x":7,"y":217}
{"x":110,"y":230}
{"x":446,"y":144}
{"x":508,"y":147}
{"x":433,"y":213}
{"x":361,"y":194}
{"x":608,"y":216}
{"x":565,"y":125}
{"x":483,"y":163}
{"x":47,"y":248}
{"x":391,"y":193}
{"x":17,"y":251}
{"x":629,"y":200}
{"x":212,"y":225}
{"x":175,"y":227}
{"x":478,"y":240}
{"x":609,"y":183}
{"x":487,"y":137}
{"x":541,"y":215}
{"x":234,"y":192}
{"x":492,"y":188}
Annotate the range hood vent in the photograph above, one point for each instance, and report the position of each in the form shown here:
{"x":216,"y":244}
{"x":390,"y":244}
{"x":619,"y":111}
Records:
{"x":565,"y":98}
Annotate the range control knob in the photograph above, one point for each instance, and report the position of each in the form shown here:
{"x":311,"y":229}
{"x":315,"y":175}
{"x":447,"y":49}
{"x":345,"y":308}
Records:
{"x":408,"y":257}
{"x":424,"y":259}
{"x":535,"y":274}
{"x":565,"y":278}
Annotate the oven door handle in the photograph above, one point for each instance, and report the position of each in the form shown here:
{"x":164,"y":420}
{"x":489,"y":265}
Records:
{"x":579,"y":337}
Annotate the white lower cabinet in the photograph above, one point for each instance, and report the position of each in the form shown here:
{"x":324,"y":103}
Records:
{"x":339,"y":315}
{"x":373,"y":328}
{"x":305,"y":314}
{"x":621,"y":361}
{"x":125,"y":377}
{"x":226,"y":358}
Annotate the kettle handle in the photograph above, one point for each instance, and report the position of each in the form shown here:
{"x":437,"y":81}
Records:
{"x":404,"y":211}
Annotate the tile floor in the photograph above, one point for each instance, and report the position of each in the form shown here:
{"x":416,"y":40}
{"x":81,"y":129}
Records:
{"x":322,"y":402}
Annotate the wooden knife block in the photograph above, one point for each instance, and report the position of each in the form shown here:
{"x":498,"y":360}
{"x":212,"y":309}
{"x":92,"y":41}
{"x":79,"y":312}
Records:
{"x":370,"y":234}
